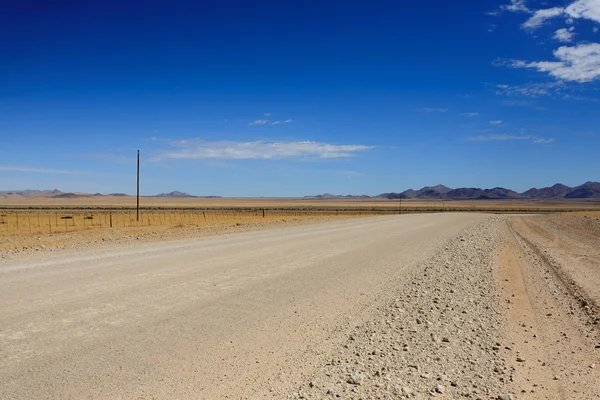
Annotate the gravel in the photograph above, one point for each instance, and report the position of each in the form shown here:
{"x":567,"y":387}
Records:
{"x":436,"y":339}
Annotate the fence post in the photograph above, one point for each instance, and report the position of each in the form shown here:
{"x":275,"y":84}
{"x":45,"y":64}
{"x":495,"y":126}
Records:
{"x":17,"y":215}
{"x":110,"y":216}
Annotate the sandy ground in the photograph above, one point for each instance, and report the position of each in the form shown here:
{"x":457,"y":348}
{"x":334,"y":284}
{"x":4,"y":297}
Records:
{"x":413,"y":306}
{"x":103,"y":202}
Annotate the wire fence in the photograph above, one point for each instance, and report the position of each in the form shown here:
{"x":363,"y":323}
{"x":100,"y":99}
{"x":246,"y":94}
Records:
{"x":31,"y":221}
{"x":54,"y":221}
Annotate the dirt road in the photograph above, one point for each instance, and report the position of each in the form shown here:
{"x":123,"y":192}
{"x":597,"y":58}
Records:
{"x":382,"y":307}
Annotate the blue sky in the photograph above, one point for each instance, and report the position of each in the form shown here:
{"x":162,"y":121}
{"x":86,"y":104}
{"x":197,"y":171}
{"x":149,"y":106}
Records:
{"x":265,"y":98}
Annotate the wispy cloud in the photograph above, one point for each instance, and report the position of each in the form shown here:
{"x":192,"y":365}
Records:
{"x":470,"y":114}
{"x":579,"y":63}
{"x":303,"y":150}
{"x":109,"y":158}
{"x":541,"y":16}
{"x":514,"y":6}
{"x":496,"y":122}
{"x":543,"y":141}
{"x":518,"y":103}
{"x":351,"y":174}
{"x":267,"y":114}
{"x":428,"y":110}
{"x":530,"y":90}
{"x":287,"y":121}
{"x":508,"y":137}
{"x":580,"y":9}
{"x":259,"y":122}
{"x":557,"y":89}
{"x":16,"y":168}
{"x":580,"y":98}
{"x":564,"y":35}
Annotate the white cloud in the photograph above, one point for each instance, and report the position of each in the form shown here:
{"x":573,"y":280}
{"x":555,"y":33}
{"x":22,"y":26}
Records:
{"x":595,"y":29}
{"x":259,"y":122}
{"x":577,"y":63}
{"x":496,"y":122}
{"x":580,"y":9}
{"x":515,"y":6}
{"x":351,"y":174}
{"x":200,"y":149}
{"x":564,"y":35}
{"x":267,"y":114}
{"x":434,"y":109}
{"x":506,"y":137}
{"x":470,"y":114}
{"x":38,"y":170}
{"x":530,"y":90}
{"x":540,"y":16}
{"x":543,"y":141}
{"x":287,"y":121}
{"x":588,"y":9}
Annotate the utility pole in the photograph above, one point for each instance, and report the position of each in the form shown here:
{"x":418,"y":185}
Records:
{"x":138,"y":187}
{"x":400,"y":198}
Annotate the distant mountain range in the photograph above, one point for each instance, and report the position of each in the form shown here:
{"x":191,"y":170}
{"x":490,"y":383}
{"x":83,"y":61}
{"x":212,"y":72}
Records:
{"x":175,"y":194}
{"x":589,"y":190}
{"x":57,"y":194}
{"x":32,"y":193}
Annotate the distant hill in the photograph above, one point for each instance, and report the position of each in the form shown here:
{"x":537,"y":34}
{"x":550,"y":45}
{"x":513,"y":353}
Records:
{"x":589,"y":190}
{"x":32,"y":192}
{"x":482,"y":194}
{"x":556,"y":191}
{"x":428,"y":192}
{"x":336,"y":196}
{"x":178,"y":194}
{"x":68,"y":196}
{"x":175,"y":194}
{"x":393,"y":196}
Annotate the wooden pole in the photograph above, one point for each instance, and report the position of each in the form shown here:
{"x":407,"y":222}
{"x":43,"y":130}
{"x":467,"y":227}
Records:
{"x":138,"y":187}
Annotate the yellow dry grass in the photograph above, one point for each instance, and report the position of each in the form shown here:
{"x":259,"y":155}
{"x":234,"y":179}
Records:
{"x":42,"y":221}
{"x":593,"y":214}
{"x":49,"y":229}
{"x":31,"y":222}
{"x":106,"y":202}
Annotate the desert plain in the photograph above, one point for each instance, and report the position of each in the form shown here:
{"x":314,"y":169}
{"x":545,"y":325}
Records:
{"x":299,"y":299}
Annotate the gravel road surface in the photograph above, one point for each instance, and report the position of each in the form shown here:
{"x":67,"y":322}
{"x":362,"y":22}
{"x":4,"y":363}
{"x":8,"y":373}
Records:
{"x":410,"y":306}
